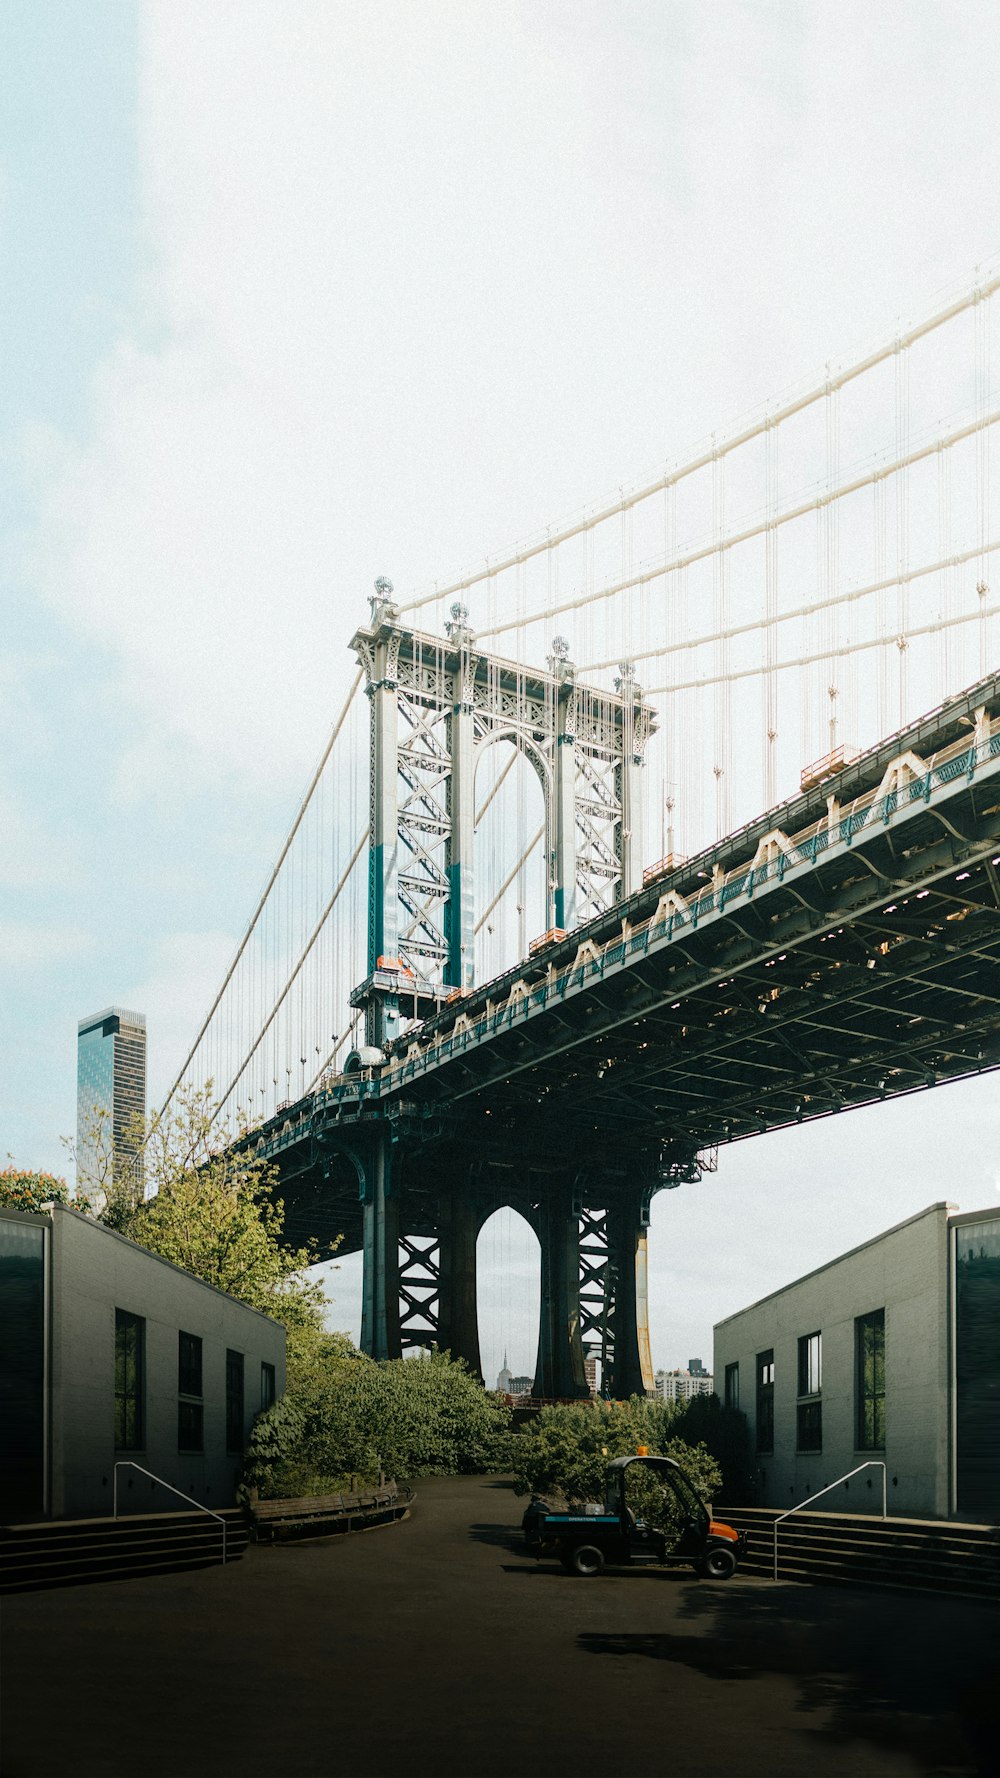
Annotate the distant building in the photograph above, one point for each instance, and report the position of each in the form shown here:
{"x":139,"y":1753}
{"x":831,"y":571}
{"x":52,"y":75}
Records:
{"x":505,"y":1379}
{"x":682,"y":1385}
{"x":111,"y":1078}
{"x":888,"y":1355}
{"x":590,"y":1371}
{"x":521,"y":1385}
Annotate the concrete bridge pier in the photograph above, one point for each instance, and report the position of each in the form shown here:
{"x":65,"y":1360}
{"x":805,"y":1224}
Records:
{"x":559,"y":1369}
{"x":458,"y":1311}
{"x":631,"y":1365}
{"x":380,"y":1336}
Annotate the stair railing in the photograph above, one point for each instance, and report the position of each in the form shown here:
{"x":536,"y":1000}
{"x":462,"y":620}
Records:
{"x":127,"y":1464}
{"x":873,"y":1463}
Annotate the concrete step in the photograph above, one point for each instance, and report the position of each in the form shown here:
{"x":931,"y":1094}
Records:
{"x":70,"y":1553}
{"x":859,"y":1550}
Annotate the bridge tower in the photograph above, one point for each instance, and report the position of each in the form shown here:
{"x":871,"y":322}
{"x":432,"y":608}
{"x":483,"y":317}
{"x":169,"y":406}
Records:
{"x":436,"y":705}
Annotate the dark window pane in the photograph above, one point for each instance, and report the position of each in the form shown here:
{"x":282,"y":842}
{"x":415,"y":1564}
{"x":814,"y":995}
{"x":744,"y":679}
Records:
{"x":189,"y":1426}
{"x":732,"y":1396}
{"x":869,"y":1387}
{"x":977,"y":1340}
{"x":129,"y":1380}
{"x":765,"y":1401}
{"x":234,"y":1401}
{"x":188,"y":1364}
{"x":266,"y":1386}
{"x":809,"y":1426}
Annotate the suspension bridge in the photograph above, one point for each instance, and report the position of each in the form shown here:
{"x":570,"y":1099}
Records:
{"x":544,"y":934}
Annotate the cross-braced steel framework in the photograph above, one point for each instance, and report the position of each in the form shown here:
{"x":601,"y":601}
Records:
{"x":437,"y":703}
{"x":419,"y":1291}
{"x":597,"y":1295}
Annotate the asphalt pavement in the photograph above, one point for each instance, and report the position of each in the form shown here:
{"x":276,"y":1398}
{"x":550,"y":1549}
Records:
{"x":437,"y":1647}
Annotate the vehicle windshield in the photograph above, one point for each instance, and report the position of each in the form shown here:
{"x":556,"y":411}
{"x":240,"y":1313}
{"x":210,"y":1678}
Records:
{"x":660,"y":1498}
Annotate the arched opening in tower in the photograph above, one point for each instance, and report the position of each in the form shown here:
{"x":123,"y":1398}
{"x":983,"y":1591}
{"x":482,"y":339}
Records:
{"x":510,"y":859}
{"x":508,"y":1269}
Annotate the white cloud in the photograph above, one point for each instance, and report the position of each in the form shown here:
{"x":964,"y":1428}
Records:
{"x":28,"y":945}
{"x":419,"y":278}
{"x":178,"y":989}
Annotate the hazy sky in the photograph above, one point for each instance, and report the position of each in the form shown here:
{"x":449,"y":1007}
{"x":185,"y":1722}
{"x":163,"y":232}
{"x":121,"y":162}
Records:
{"x":294,"y":294}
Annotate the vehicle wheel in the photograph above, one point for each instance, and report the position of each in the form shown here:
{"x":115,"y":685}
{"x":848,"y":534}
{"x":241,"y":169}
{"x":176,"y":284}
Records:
{"x":719,"y":1563}
{"x":586,"y":1558}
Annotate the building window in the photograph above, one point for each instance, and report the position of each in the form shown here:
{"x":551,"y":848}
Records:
{"x":189,"y":1365}
{"x":130,"y":1365}
{"x":190,"y":1410}
{"x":869,"y":1387}
{"x":809,"y":1426}
{"x":267,"y":1390}
{"x":809,"y":1413}
{"x":765,"y":1401}
{"x":234,"y":1401}
{"x":810,"y":1364}
{"x":190,"y":1426}
{"x":732,"y":1386}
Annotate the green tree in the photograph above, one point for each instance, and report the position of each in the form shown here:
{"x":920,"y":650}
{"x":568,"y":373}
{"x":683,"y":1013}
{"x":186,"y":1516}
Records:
{"x":214,"y":1212}
{"x":100,"y":1182}
{"x":726,"y":1434}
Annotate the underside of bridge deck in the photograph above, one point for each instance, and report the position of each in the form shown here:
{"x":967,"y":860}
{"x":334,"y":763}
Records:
{"x":816,"y":962}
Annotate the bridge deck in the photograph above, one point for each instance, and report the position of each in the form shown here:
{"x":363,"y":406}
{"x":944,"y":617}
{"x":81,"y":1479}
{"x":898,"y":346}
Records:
{"x":827,"y":956}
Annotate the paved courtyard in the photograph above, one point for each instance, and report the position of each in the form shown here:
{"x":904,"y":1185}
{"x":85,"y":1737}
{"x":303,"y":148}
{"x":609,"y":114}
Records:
{"x":435,"y":1647}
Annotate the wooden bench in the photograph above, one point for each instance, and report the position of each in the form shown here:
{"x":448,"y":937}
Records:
{"x":321,"y":1515}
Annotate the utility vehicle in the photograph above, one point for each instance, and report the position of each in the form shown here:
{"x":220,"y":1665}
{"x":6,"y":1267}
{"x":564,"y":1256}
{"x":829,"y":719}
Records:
{"x":586,"y":1541}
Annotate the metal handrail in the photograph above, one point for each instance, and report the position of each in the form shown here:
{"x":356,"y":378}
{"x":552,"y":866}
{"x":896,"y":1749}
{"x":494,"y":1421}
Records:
{"x":872,"y":1463}
{"x":126,"y":1463}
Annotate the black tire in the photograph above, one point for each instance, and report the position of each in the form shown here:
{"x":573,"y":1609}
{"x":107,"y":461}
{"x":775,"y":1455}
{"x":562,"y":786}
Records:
{"x":718,"y":1562}
{"x":585,"y":1559}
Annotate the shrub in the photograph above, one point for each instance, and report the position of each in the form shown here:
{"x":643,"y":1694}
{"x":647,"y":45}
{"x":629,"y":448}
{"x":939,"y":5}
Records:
{"x":565,"y":1456}
{"x":346,"y":1418}
{"x":30,"y":1191}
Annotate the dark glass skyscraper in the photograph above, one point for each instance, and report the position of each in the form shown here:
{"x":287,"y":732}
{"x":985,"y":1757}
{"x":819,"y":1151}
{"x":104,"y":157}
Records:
{"x":111,"y":1079}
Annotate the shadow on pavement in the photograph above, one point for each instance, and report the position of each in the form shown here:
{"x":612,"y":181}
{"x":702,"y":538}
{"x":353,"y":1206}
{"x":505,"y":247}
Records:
{"x":504,"y":1537}
{"x":919,"y":1676}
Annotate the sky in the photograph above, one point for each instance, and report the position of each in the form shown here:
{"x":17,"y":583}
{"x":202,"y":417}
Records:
{"x":295,"y":294}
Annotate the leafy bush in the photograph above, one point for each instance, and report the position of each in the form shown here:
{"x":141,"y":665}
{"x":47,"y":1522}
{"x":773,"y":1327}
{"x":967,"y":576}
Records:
{"x":566,"y":1452}
{"x":565,"y":1456}
{"x":346,"y":1418}
{"x":29,"y":1191}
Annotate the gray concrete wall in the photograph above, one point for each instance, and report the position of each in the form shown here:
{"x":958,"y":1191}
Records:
{"x":95,"y":1271}
{"x":904,"y":1272}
